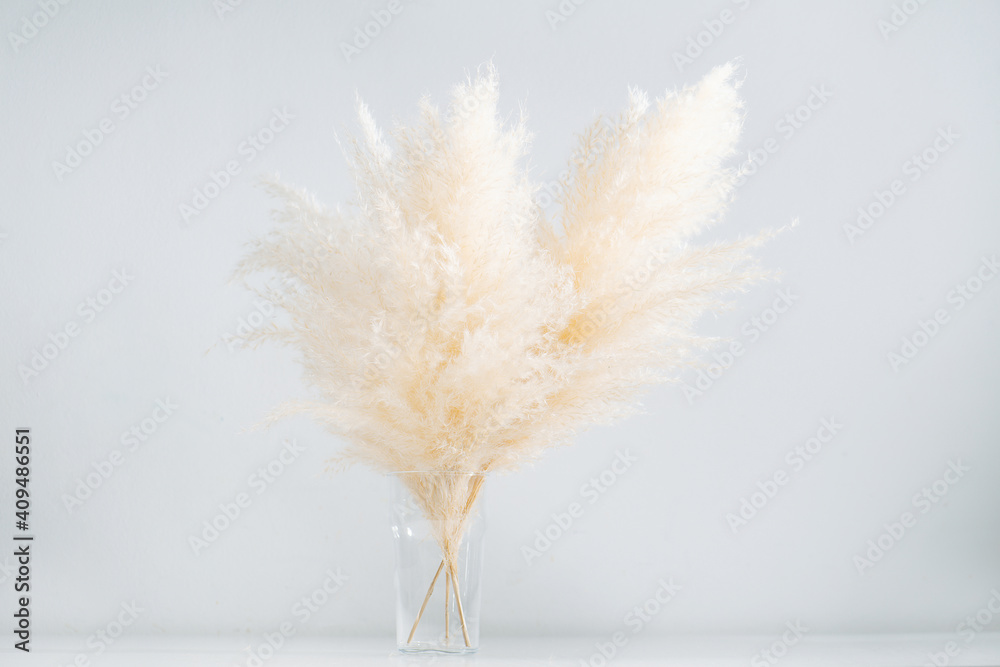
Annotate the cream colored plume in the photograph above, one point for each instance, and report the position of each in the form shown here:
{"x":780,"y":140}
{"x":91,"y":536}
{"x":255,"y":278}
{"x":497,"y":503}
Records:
{"x":446,"y":323}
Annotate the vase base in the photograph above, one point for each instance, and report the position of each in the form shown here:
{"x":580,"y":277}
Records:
{"x":417,"y":647}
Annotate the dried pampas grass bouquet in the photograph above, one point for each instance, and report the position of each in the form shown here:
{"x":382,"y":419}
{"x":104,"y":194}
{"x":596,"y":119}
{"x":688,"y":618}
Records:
{"x":450,"y":327}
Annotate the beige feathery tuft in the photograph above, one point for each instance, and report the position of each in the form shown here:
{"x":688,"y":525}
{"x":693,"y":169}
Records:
{"x":446,"y":323}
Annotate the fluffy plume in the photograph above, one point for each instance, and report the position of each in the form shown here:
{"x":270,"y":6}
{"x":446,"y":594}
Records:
{"x":447,"y":324}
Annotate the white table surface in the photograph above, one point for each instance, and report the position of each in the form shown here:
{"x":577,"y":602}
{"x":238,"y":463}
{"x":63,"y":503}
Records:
{"x":869,"y":650}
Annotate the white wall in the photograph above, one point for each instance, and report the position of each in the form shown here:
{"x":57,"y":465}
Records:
{"x":825,"y":357}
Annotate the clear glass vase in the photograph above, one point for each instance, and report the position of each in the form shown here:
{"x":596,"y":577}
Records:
{"x":438,"y":527}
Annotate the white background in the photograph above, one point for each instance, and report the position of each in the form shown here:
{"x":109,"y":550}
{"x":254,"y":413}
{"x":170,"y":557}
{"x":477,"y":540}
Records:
{"x":160,"y":337}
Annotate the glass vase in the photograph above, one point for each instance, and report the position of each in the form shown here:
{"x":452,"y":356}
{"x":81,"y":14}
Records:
{"x":438,"y":527}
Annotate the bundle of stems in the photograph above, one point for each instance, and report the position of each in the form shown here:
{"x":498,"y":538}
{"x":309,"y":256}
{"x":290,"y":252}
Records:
{"x":448,"y":322}
{"x":447,"y":501}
